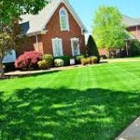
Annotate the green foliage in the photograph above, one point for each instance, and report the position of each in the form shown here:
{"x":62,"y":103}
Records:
{"x":84,"y":61}
{"x":93,"y":59}
{"x":43,"y":64}
{"x":92,"y":49}
{"x":15,"y":8}
{"x":65,"y":58}
{"x":46,"y":62}
{"x":134,"y":49}
{"x":58,"y":62}
{"x":49,"y":59}
{"x":78,"y":58}
{"x":108,"y":30}
{"x":9,"y":38}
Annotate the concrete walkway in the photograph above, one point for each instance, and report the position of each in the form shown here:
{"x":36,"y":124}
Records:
{"x":122,"y":60}
{"x":132,"y":132}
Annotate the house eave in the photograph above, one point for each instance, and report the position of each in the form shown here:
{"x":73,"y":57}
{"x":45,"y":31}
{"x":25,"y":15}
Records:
{"x":129,"y":26}
{"x":36,"y":33}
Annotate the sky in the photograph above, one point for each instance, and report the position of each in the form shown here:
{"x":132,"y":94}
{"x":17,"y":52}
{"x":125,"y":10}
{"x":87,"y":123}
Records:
{"x":87,"y":8}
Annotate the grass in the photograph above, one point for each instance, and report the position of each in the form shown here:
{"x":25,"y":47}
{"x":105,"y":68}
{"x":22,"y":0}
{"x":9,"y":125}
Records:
{"x":90,"y":103}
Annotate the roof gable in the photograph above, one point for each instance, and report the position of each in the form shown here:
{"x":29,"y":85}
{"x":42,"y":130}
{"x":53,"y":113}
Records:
{"x":37,"y":23}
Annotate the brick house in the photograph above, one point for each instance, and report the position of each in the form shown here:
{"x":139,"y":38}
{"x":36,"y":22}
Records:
{"x":132,"y":26}
{"x":132,"y":29}
{"x":56,"y":30}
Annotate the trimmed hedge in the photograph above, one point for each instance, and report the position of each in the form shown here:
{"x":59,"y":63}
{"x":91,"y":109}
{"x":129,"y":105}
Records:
{"x":58,"y":63}
{"x":65,"y":58}
{"x":78,"y":58}
{"x":49,"y":59}
{"x":89,"y":60}
{"x":43,"y":64}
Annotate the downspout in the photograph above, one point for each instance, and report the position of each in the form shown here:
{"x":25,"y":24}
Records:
{"x":37,"y":42}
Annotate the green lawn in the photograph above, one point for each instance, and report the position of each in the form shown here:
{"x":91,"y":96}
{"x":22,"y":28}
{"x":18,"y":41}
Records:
{"x":90,"y":103}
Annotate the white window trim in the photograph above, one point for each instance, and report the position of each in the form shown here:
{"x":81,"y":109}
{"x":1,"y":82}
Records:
{"x":75,"y":39}
{"x":67,"y":19}
{"x":53,"y":46}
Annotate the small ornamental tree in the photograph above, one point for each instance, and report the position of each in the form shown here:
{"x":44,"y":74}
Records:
{"x":108,"y":30}
{"x":9,"y":39}
{"x":92,"y":49}
{"x":28,"y":60}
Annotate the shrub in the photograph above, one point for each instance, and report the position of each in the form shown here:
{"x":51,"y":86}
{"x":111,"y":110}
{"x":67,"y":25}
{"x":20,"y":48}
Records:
{"x":92,"y":60}
{"x":89,"y":60}
{"x":84,"y":61}
{"x":78,"y":58}
{"x":103,"y":56}
{"x":58,"y":62}
{"x":28,"y":60}
{"x":65,"y":58}
{"x":92,"y":49}
{"x":43,"y":64}
{"x":134,"y":49}
{"x":49,"y":60}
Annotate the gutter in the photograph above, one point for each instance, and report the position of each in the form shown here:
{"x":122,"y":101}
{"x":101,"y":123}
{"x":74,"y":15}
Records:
{"x":36,"y":33}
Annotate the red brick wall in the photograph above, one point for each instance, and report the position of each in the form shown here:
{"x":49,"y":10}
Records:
{"x":53,"y":31}
{"x":26,"y":45}
{"x":134,"y":31}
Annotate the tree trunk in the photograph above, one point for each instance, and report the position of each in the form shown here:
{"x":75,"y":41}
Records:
{"x":1,"y":69}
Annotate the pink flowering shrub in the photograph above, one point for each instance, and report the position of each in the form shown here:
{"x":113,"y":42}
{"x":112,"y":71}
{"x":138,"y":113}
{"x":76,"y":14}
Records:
{"x":28,"y":60}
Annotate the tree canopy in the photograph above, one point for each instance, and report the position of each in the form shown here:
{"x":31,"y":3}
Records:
{"x":15,"y":8}
{"x":108,"y":30}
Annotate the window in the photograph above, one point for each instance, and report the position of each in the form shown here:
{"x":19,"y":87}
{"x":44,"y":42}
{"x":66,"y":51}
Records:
{"x":9,"y":57}
{"x":57,"y":47}
{"x":63,"y":15}
{"x":75,"y":46}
